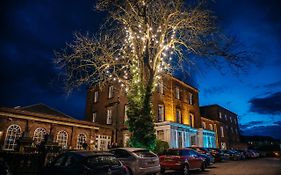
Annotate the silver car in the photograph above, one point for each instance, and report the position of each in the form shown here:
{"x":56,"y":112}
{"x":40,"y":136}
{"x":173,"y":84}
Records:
{"x":138,"y":160}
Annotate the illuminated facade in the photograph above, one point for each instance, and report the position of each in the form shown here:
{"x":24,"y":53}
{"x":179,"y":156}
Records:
{"x":175,"y":107}
{"x":40,"y":120}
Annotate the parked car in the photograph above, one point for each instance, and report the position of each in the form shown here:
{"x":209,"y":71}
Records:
{"x":86,"y":163}
{"x":183,"y":160}
{"x":209,"y":159}
{"x":138,"y":160}
{"x":4,"y":168}
{"x":216,"y":153}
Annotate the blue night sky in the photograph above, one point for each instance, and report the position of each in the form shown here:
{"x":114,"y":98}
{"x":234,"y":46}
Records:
{"x":31,"y":30}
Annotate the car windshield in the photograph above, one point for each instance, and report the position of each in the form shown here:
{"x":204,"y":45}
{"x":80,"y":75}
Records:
{"x":97,"y":161}
{"x":144,"y":153}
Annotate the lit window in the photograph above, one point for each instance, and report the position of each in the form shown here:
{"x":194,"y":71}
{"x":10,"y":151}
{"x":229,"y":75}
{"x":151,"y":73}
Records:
{"x":220,"y":115}
{"x":62,"y":138}
{"x":191,"y":120}
{"x":178,"y":116}
{"x":81,"y":139}
{"x":222,"y":131}
{"x":39,"y":135}
{"x":160,"y":135}
{"x":161,"y":87}
{"x":160,"y":113}
{"x":125,"y":113}
{"x":96,"y":96}
{"x":190,"y":100}
{"x":12,"y":135}
{"x":109,"y":116}
{"x":94,"y":116}
{"x":110,"y":92}
{"x":204,"y":125}
{"x":177,"y":93}
{"x":211,"y":127}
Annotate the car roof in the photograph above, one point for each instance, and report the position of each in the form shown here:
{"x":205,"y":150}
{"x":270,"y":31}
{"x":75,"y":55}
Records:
{"x":180,"y":149}
{"x":84,"y":154}
{"x":131,"y":149}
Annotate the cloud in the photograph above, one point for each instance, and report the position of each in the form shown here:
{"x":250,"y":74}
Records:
{"x":270,"y":104}
{"x":268,"y":130}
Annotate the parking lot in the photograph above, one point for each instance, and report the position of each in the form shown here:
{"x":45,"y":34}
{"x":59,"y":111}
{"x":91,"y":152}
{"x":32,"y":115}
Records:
{"x":260,"y":166}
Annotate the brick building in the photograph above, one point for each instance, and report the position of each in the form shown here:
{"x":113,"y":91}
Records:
{"x":175,"y":105}
{"x":225,"y":124}
{"x":39,"y":120}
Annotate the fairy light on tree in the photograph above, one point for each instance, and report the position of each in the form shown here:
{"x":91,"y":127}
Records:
{"x":140,"y":41}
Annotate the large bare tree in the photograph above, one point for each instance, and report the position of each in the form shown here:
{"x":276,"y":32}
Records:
{"x":140,"y":41}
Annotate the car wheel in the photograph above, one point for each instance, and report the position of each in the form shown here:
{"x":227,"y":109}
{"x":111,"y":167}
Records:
{"x":202,"y":168}
{"x":186,"y":170}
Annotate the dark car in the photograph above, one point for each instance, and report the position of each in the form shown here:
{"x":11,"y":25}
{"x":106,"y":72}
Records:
{"x":216,"y":153}
{"x":182,"y":160}
{"x":86,"y":163}
{"x":209,"y":159}
{"x":138,"y":160}
{"x":4,"y":168}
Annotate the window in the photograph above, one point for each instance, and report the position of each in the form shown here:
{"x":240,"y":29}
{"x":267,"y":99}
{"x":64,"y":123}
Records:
{"x":161,"y":87}
{"x":62,"y":138}
{"x":220,"y":115}
{"x":231,"y":130}
{"x":125,"y":113}
{"x":230,"y":118}
{"x":191,"y":120}
{"x":222,"y":132}
{"x":178,"y":116}
{"x":190,"y":99}
{"x":160,"y":135}
{"x":204,"y":125}
{"x":177,"y":93}
{"x":94,"y":117}
{"x":225,"y":117}
{"x":110,"y":92}
{"x":211,"y":127}
{"x":13,"y":133}
{"x":81,"y":139}
{"x":109,"y":116}
{"x":39,"y":135}
{"x":96,"y":96}
{"x":160,"y":113}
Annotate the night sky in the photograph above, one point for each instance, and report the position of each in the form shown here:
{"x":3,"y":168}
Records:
{"x":31,"y":30}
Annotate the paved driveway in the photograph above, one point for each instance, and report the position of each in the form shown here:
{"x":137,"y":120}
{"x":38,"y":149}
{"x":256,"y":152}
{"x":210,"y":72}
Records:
{"x":262,"y":166}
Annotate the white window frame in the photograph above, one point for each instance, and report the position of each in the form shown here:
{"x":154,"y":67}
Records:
{"x":81,"y":138}
{"x":110,"y":91}
{"x":96,"y":96}
{"x":204,"y":125}
{"x":177,"y":92}
{"x":222,"y":131}
{"x":94,"y":117}
{"x":12,"y":135}
{"x":39,"y":135}
{"x":109,"y":116}
{"x":190,"y":99}
{"x":126,"y":108}
{"x":211,"y":126}
{"x":178,"y":111}
{"x":62,"y":139}
{"x":161,"y":112}
{"x":191,"y":120}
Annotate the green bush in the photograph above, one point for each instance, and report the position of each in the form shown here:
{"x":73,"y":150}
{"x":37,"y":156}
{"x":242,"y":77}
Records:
{"x":160,"y":146}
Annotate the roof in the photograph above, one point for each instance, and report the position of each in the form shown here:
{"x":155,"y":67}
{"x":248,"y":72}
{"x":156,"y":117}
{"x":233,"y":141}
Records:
{"x":216,"y":105}
{"x":43,"y":109}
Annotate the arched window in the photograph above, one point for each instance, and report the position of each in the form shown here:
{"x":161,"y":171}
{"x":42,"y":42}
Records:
{"x":62,"y":137}
{"x":13,"y":133}
{"x":39,"y":135}
{"x":80,"y":140}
